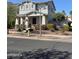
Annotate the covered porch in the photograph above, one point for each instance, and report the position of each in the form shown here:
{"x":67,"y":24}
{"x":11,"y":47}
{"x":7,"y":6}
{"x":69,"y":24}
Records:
{"x":31,"y":19}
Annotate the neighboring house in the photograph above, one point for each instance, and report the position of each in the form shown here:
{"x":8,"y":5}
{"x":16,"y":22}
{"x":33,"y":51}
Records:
{"x":69,"y":19}
{"x":34,"y":12}
{"x":60,"y":24}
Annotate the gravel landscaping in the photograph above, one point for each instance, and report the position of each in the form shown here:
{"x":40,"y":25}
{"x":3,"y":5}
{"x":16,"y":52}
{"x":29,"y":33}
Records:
{"x":40,"y":54}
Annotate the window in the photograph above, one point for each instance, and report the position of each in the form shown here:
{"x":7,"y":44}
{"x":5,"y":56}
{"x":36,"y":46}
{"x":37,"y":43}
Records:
{"x":26,"y":6}
{"x":21,"y":7}
{"x":36,"y":7}
{"x":44,"y":7}
{"x":32,"y":6}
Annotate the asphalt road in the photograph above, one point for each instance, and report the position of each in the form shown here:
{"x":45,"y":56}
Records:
{"x":17,"y":44}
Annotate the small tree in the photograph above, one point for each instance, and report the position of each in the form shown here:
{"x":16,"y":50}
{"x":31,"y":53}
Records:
{"x":70,"y":13}
{"x":58,"y":17}
{"x":11,"y":15}
{"x":63,"y":12}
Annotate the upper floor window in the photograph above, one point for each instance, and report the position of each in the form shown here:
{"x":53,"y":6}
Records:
{"x":21,"y":7}
{"x":26,"y":6}
{"x":32,"y":6}
{"x":45,"y":7}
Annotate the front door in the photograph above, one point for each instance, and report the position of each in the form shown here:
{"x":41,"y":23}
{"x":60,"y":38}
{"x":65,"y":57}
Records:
{"x":34,"y":20}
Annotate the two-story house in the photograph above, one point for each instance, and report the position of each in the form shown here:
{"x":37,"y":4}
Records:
{"x":34,"y":13}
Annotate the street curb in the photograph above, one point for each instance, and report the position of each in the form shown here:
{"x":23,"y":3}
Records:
{"x":38,"y":38}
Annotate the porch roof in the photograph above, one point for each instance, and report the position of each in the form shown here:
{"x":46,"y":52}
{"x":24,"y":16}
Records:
{"x":33,"y":13}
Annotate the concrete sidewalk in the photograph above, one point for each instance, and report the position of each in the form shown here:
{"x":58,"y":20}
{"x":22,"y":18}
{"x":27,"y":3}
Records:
{"x":46,"y":37}
{"x":51,"y":38}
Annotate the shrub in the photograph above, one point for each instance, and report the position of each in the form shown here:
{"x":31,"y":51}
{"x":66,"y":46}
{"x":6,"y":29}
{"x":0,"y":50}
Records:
{"x":65,"y":27}
{"x":70,"y":28}
{"x":19,"y":27}
{"x":24,"y":27}
{"x":50,"y":26}
{"x":37,"y":26}
{"x":44,"y":27}
{"x":30,"y":30}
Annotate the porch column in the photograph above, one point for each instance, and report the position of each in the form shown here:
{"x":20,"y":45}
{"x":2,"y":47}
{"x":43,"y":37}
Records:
{"x":43,"y":20}
{"x":16,"y":23}
{"x":26,"y":22}
{"x":21,"y":22}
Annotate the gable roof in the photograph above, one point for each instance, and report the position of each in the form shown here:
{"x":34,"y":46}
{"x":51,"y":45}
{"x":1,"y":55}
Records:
{"x":51,"y":2}
{"x":35,"y":2}
{"x":40,"y":2}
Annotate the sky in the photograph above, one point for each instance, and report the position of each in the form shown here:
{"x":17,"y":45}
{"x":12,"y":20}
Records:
{"x":59,"y":4}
